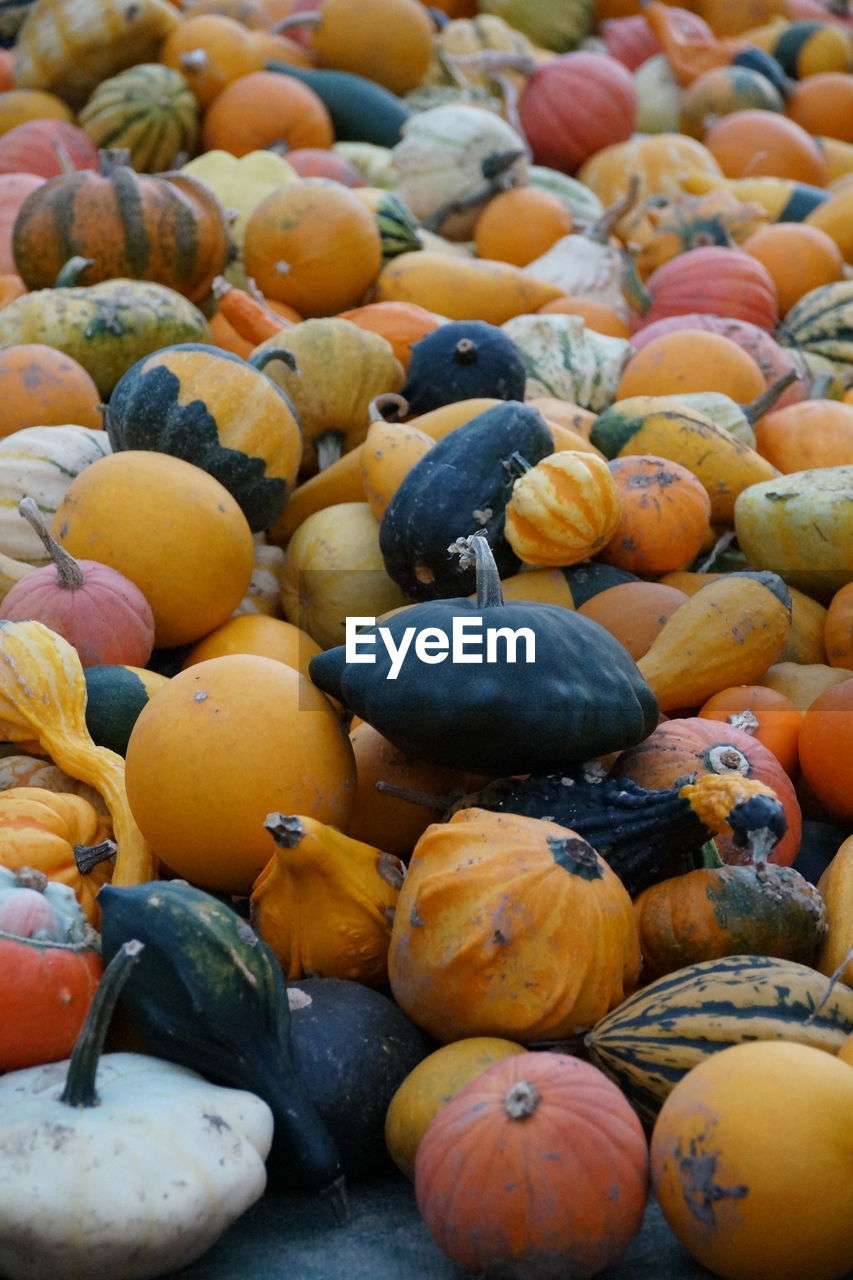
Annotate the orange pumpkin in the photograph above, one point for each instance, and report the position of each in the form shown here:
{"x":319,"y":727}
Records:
{"x":314,"y":245}
{"x":400,"y":323}
{"x":826,"y":757}
{"x":823,"y":104}
{"x":521,"y":224}
{"x":595,"y":315}
{"x":813,"y":433}
{"x":210,"y":50}
{"x":665,"y":516}
{"x":689,"y":360}
{"x":19,"y":105}
{"x":634,"y":612}
{"x":388,"y":41}
{"x":200,"y":781}
{"x":755,"y":143}
{"x":256,"y":633}
{"x":265,"y":109}
{"x":765,"y":713}
{"x":799,"y":257}
{"x":538,"y":1166}
{"x":41,"y":386}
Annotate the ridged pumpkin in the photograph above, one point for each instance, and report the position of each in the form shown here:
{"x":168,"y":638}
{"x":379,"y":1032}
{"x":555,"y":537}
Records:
{"x":725,"y":281}
{"x":149,"y":110}
{"x":537,"y":1167}
{"x":563,"y":509}
{"x":574,"y":105}
{"x":168,"y":229}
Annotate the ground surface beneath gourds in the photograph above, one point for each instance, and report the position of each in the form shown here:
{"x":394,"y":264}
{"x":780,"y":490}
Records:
{"x":385,"y":1239}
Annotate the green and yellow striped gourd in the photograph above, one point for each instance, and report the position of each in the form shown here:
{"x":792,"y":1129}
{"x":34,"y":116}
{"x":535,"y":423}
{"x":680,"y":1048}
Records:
{"x":148,"y":110}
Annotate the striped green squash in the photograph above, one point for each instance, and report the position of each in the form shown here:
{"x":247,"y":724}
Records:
{"x":565,"y":359}
{"x":41,"y":462}
{"x":820,"y":327}
{"x":654,"y":1037}
{"x":399,"y":229}
{"x":148,"y":110}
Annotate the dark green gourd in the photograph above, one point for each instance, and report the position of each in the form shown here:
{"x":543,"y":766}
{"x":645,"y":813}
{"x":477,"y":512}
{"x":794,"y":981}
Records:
{"x":208,"y":993}
{"x":579,"y":697}
{"x":460,"y":486}
{"x":463,"y":360}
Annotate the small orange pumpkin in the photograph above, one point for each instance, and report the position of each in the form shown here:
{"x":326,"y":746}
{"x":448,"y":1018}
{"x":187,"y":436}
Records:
{"x":665,"y":516}
{"x":265,"y":109}
{"x":41,"y":386}
{"x":765,"y":713}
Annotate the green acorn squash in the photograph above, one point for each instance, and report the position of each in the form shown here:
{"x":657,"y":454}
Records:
{"x":214,"y":409}
{"x":463,"y":360}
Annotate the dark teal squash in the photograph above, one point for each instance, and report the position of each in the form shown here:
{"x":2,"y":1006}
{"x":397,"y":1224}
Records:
{"x":461,"y":486}
{"x":361,"y":110}
{"x":212,"y":408}
{"x":463,"y":360}
{"x":581,"y":696}
{"x":115,"y":695}
{"x":209,"y":994}
{"x":353,"y":1047}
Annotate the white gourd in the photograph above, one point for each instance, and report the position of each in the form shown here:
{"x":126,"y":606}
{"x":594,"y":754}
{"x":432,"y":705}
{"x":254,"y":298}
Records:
{"x":565,"y":359}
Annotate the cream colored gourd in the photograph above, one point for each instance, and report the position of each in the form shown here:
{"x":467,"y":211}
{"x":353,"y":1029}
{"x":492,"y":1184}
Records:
{"x":450,"y":153}
{"x":153,"y":1164}
{"x":43,"y":707}
{"x":564,"y":359}
{"x":40,"y":462}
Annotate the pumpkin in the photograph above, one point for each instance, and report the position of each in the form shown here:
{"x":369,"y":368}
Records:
{"x":37,"y":146}
{"x":218,"y":412}
{"x":51,"y":831}
{"x":634,"y":612}
{"x":43,"y":705}
{"x":333,"y":571}
{"x":168,"y":229}
{"x":660,"y":159}
{"x":795,"y":1104}
{"x":760,"y":909}
{"x":70,"y":59}
{"x":200,"y":787}
{"x":51,"y":968}
{"x":481,"y":724}
{"x":664,"y":515}
{"x":671,"y":1025}
{"x":798,"y":525}
{"x":687,"y":746}
{"x":97,"y":609}
{"x":688,"y":361}
{"x":834,"y":886}
{"x":546,"y":1120}
{"x":150,"y":110}
{"x":325,"y":903}
{"x":799,"y":256}
{"x":14,"y":188}
{"x":765,"y":713}
{"x":400,"y":323}
{"x":456,"y":155}
{"x":485,"y":894}
{"x":313,"y":244}
{"x":435,"y":1080}
{"x":208,"y":51}
{"x":140,"y":509}
{"x":824,"y":755}
{"x":574,"y":105}
{"x":715,"y":278}
{"x":292,"y":116}
{"x":130,"y":317}
{"x":42,"y":386}
{"x":563,"y":509}
{"x":810,"y":435}
{"x":269,"y":637}
{"x":755,"y":142}
{"x":391,"y":43}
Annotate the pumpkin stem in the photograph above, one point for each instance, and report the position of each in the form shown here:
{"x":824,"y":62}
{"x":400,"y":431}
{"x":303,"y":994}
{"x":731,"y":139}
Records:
{"x":761,"y":404}
{"x":64,"y":160}
{"x":260,"y":359}
{"x":70,"y":272}
{"x":286,"y":831}
{"x":388,"y":407}
{"x":602,"y":228}
{"x":475,"y":550}
{"x":521,"y":1100}
{"x":79,"y":1088}
{"x":329,"y":446}
{"x":194,"y":60}
{"x":88,"y":856}
{"x":69,"y":574}
{"x":427,"y":799}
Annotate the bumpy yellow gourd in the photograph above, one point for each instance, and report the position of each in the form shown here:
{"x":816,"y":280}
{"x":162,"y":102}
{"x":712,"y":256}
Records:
{"x":325,"y":903}
{"x":43,"y":708}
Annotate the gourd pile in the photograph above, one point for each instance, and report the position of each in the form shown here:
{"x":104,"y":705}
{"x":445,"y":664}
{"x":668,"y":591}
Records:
{"x":426,"y":626}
